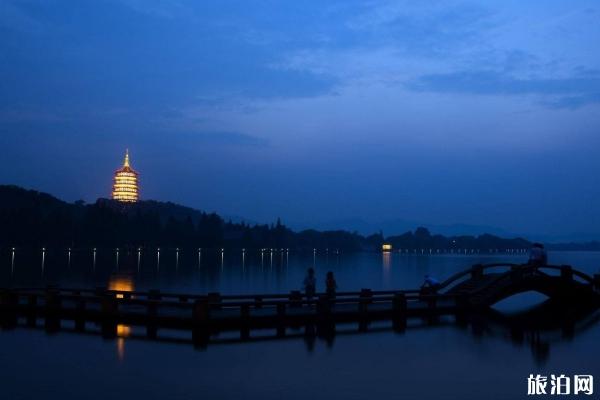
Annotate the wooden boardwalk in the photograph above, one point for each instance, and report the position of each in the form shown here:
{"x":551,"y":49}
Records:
{"x":204,"y":315}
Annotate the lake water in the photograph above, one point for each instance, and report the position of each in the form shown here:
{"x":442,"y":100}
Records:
{"x":486,"y":357}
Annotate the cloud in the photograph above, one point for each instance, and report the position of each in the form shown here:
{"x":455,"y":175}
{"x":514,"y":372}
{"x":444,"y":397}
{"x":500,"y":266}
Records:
{"x":573,"y":102}
{"x":423,"y":28}
{"x":569,"y":92}
{"x":391,"y":35}
{"x":229,"y":138}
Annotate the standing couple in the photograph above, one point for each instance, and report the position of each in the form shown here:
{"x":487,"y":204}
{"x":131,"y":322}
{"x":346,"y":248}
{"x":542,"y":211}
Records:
{"x":310,"y":284}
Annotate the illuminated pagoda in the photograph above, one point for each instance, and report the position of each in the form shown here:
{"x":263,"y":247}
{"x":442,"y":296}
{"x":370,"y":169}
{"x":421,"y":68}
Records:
{"x":125,"y":186}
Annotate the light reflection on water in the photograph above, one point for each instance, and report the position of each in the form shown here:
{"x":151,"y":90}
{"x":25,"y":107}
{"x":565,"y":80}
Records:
{"x":122,"y":282}
{"x":242,"y":272}
{"x":481,"y":357}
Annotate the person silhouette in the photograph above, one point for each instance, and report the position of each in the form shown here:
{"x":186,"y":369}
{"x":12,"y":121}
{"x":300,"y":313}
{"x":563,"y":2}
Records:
{"x":330,"y":285}
{"x":310,"y":283}
{"x":430,"y":284}
{"x":537,"y":255}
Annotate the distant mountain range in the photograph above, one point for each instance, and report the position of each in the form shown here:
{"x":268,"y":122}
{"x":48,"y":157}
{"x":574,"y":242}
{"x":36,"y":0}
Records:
{"x":397,"y":226}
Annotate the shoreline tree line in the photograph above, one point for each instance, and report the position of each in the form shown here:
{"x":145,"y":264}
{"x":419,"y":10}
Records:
{"x":35,"y":219}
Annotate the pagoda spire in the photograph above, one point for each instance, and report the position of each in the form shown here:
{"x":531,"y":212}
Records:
{"x":126,"y":162}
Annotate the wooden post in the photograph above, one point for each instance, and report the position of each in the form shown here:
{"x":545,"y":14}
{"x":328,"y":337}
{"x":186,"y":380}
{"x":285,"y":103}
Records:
{"x":53,"y":304}
{"x":245,"y":317}
{"x":516,"y":271}
{"x":200,"y":322}
{"x":258,"y":302}
{"x":80,"y":311}
{"x":462,"y":302}
{"x":323,"y":308}
{"x":399,"y":307}
{"x":566,"y":272}
{"x":281,"y":319}
{"x":399,"y":303}
{"x":154,"y":294}
{"x":152,"y":310}
{"x":108,"y":306}
{"x":366,"y":294}
{"x":153,"y":298}
{"x":31,"y":309}
{"x":214,"y":299}
{"x":295,"y":299}
{"x":8,"y":308}
{"x":109,"y":309}
{"x":477,"y":271}
{"x":432,"y":302}
{"x":365,"y":298}
{"x":99,"y":291}
{"x":597,"y":282}
{"x":462,"y":306}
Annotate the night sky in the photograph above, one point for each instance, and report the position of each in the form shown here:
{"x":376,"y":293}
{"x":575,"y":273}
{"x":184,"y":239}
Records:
{"x":442,"y":112}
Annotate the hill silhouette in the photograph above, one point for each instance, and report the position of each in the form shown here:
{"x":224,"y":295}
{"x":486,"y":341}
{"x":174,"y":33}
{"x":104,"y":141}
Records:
{"x":32,"y":218}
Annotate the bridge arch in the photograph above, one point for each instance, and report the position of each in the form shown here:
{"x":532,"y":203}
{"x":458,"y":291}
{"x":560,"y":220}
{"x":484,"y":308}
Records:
{"x":486,"y":284}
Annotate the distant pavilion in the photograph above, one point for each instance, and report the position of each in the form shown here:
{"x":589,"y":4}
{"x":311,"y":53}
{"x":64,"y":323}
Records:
{"x":125,"y":186}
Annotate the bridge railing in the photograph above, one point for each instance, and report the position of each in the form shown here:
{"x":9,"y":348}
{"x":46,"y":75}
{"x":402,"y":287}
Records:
{"x":567,"y":271}
{"x":474,"y":271}
{"x":478,"y":270}
{"x":151,"y":309}
{"x":214,"y":296}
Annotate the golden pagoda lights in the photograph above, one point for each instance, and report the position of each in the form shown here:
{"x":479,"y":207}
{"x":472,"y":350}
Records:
{"x":125,"y":186}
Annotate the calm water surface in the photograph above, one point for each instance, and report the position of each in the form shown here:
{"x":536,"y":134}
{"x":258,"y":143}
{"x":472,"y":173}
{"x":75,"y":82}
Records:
{"x":486,"y":357}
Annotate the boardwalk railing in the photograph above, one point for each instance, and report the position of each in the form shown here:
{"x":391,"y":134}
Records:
{"x":213,"y":312}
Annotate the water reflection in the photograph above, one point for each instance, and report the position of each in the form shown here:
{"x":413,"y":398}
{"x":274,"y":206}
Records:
{"x":477,"y":346}
{"x":12,"y":262}
{"x":538,"y":329}
{"x":243,"y":260}
{"x":139,"y":258}
{"x":222,"y":258}
{"x":158,"y":260}
{"x":44,"y":260}
{"x":123,"y":283}
{"x":387,"y":264}
{"x":250,"y":271}
{"x":123,"y":331}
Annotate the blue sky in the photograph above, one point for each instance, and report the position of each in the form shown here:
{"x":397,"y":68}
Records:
{"x":483,"y":113}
